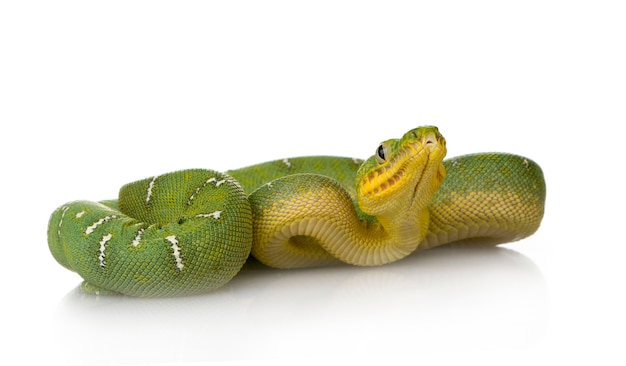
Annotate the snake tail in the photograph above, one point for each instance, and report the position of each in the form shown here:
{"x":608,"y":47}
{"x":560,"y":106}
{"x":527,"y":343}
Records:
{"x":180,"y":233}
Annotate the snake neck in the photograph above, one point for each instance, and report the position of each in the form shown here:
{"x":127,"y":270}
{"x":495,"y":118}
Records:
{"x":321,"y":226}
{"x":388,"y":239}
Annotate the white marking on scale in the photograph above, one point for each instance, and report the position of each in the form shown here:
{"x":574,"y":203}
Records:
{"x":103,"y":242}
{"x":150,"y":187}
{"x":210,"y":180}
{"x":65,"y":208}
{"x":176,"y":249}
{"x":287,"y":163}
{"x":80,"y":214}
{"x":138,"y":237}
{"x":216,"y":215}
{"x":93,"y":226}
{"x":193,"y":195}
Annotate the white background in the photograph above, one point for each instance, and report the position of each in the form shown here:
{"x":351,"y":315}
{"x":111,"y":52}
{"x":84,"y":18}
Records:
{"x":95,"y":95}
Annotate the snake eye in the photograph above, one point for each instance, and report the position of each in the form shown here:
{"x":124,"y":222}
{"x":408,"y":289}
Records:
{"x":382,"y":153}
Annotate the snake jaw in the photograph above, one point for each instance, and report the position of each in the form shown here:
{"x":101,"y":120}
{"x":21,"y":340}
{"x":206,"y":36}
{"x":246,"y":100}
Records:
{"x":433,"y":171}
{"x":431,"y":177}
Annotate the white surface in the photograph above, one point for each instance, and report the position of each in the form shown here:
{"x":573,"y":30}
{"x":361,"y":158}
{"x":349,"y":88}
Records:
{"x":94,"y":96}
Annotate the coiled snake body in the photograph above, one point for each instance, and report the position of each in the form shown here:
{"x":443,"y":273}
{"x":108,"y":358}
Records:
{"x":191,"y":231}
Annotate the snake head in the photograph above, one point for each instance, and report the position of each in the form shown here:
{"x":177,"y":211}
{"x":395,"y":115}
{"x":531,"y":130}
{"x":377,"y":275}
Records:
{"x":403,"y":173}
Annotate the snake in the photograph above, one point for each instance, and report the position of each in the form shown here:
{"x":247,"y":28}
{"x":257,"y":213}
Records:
{"x":191,"y":231}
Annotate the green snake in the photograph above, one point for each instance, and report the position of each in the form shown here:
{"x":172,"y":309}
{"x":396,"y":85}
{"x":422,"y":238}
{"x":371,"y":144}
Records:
{"x":191,"y":231}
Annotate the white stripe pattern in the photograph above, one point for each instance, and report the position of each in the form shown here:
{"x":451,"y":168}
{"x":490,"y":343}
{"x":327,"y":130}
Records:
{"x":173,"y":240}
{"x":193,"y":195}
{"x":150,"y":187}
{"x":287,"y":163}
{"x":103,"y":242}
{"x":65,"y":208}
{"x":210,"y":180}
{"x":93,"y":226}
{"x":216,"y":215}
{"x":138,"y":237}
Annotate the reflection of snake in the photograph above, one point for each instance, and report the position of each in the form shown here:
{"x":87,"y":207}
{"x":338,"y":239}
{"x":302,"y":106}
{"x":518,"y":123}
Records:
{"x":191,"y":231}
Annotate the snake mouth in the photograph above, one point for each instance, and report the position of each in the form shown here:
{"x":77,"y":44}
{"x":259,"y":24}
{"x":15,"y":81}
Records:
{"x":431,"y":166}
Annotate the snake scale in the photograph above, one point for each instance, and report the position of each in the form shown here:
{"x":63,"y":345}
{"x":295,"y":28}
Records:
{"x":191,"y":231}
